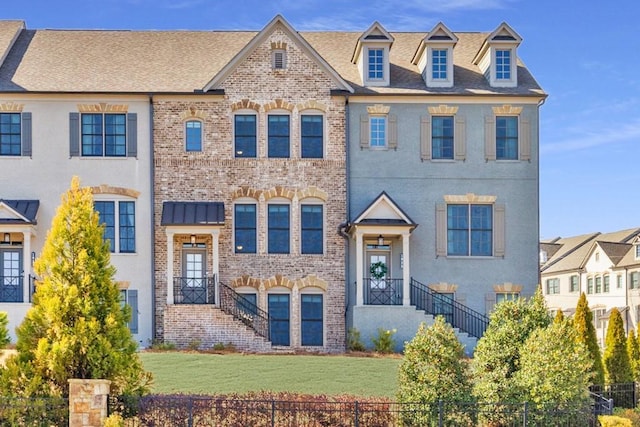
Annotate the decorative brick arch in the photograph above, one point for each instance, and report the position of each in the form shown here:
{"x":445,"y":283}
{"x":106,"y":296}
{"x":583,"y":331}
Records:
{"x":507,"y":109}
{"x":312,"y":281}
{"x":246,"y":281}
{"x":193,"y":113}
{"x":443,"y":109}
{"x":312,"y":105}
{"x":103,"y":107}
{"x":246,"y":191}
{"x":11,"y":106}
{"x":278,"y":281}
{"x":120,"y":191}
{"x":279,"y":104}
{"x":279,"y":44}
{"x":314,"y":192}
{"x":245,"y":104}
{"x":279,"y":191}
{"x":378,"y":109}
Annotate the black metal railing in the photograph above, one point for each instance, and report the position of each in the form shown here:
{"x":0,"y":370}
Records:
{"x":458,"y":315}
{"x":194,"y":290}
{"x":382,"y":291}
{"x":11,"y":289}
{"x":161,"y":410}
{"x":32,"y":287}
{"x":622,"y":395}
{"x":244,"y":310}
{"x":600,"y":404}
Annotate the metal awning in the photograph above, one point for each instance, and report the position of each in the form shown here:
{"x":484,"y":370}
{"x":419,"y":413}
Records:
{"x":192,"y":213}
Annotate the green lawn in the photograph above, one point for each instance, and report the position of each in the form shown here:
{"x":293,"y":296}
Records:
{"x":203,"y":373}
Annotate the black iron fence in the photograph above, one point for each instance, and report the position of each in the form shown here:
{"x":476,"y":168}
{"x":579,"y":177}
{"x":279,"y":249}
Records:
{"x":34,"y":411}
{"x":194,"y":290}
{"x":623,"y":395}
{"x":244,"y":310}
{"x":458,"y":315}
{"x":383,"y":291}
{"x":190,"y":411}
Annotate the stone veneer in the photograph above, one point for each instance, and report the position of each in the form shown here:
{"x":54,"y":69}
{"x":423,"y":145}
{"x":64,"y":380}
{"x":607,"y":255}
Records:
{"x":88,"y":402}
{"x":216,"y":175}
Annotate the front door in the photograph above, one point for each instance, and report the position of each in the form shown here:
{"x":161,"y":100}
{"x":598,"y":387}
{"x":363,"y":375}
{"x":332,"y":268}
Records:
{"x":194,"y":281}
{"x":279,"y":319}
{"x":10,"y":275}
{"x":378,"y":268}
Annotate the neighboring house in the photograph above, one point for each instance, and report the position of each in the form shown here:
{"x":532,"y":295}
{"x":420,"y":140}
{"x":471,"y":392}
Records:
{"x":286,"y":186}
{"x":605,"y":267}
{"x":443,"y":178}
{"x":65,"y":111}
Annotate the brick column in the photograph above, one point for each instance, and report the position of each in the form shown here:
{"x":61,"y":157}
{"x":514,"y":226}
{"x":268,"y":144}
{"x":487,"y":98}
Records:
{"x":88,"y":402}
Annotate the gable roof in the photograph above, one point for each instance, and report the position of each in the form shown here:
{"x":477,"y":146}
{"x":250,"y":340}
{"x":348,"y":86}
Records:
{"x":260,"y":38}
{"x":9,"y":31}
{"x":503,"y":34}
{"x":375,"y":33}
{"x":19,"y":211}
{"x":615,"y":251}
{"x":383,"y":211}
{"x":439,"y":34}
{"x":185,"y":61}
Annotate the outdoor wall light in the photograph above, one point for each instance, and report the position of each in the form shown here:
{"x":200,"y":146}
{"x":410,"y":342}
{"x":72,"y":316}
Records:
{"x":7,"y":238}
{"x":193,"y":240}
{"x":380,"y":240}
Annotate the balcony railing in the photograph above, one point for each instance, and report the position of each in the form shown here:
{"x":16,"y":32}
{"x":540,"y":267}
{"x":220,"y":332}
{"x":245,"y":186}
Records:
{"x":458,"y":315}
{"x":382,"y":291}
{"x":194,"y":290}
{"x":244,"y":310}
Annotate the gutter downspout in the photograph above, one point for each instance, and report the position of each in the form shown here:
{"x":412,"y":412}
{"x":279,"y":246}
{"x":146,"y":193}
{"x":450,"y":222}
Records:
{"x":153,"y":220}
{"x":342,"y":227}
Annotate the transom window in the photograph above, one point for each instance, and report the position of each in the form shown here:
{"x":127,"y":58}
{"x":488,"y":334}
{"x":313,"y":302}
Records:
{"x":311,"y":135}
{"x":311,"y":319}
{"x":278,"y":136}
{"x":193,"y":135}
{"x":245,"y":135}
{"x":439,"y":64}
{"x":378,"y":131}
{"x":104,"y":135}
{"x":507,"y":138}
{"x":119,"y":219}
{"x":311,"y":229}
{"x":553,"y":286}
{"x":10,"y":134}
{"x":376,"y":64}
{"x":503,"y":64}
{"x":245,"y":228}
{"x":469,"y":230}
{"x":278,"y":229}
{"x":442,"y":137}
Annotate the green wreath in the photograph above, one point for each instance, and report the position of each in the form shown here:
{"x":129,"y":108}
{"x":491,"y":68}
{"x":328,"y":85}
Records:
{"x":378,"y":270}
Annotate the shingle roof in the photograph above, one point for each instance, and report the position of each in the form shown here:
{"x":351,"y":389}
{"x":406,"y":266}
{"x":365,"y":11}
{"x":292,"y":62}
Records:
{"x":26,"y":208}
{"x":615,"y":251}
{"x":8,"y":33}
{"x":185,"y":61}
{"x":192,"y":213}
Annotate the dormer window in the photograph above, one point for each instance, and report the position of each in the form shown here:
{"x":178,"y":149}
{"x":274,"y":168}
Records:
{"x":372,"y":56}
{"x":434,"y":57}
{"x":497,"y":58}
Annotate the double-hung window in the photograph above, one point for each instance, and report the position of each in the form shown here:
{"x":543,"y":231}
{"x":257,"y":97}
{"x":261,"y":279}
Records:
{"x":245,"y":135}
{"x":442,"y":137}
{"x":104,"y":134}
{"x":378,"y":131}
{"x":598,"y":284}
{"x":10,"y":127}
{"x":637,"y":250}
{"x":503,"y":64}
{"x":606,"y":285}
{"x":634,"y":280}
{"x":119,"y":219}
{"x":574,"y":284}
{"x":590,"y":285}
{"x":439,"y":64}
{"x":311,"y":136}
{"x":193,"y":135}
{"x":311,"y":234}
{"x":278,"y":144}
{"x":469,"y":230}
{"x":375,"y":64}
{"x":278,"y":229}
{"x":311,"y":319}
{"x":507,"y":138}
{"x":553,"y":286}
{"x":245,"y":228}
{"x":506,"y":296}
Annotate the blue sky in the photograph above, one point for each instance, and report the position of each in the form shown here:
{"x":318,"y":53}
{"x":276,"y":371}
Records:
{"x":585,"y":54}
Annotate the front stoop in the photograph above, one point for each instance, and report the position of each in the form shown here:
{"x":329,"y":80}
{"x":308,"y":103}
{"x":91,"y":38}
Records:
{"x":207,"y":325}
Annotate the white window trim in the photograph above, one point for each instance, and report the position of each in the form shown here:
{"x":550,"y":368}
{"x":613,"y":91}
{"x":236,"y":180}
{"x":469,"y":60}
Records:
{"x":512,"y":81}
{"x":317,"y":202}
{"x":434,"y":82}
{"x":386,"y":132}
{"x":116,"y":199}
{"x":274,"y":54}
{"x":191,"y":119}
{"x":325,"y":128}
{"x":245,"y":201}
{"x":279,"y":201}
{"x":495,"y":142}
{"x":278,"y":112}
{"x":384,"y":81}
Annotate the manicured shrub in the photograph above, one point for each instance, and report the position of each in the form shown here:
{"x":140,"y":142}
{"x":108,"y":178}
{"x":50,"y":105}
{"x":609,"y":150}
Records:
{"x":432,"y":369}
{"x":616,"y":358}
{"x":384,"y":342}
{"x":354,"y":342}
{"x":614,"y":421}
{"x":583,"y":323}
{"x":633,"y":350}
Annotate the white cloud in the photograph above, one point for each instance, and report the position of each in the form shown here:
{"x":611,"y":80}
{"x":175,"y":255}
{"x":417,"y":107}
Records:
{"x":598,"y":136}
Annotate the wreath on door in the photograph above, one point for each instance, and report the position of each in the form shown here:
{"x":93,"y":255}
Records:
{"x":378,"y":270}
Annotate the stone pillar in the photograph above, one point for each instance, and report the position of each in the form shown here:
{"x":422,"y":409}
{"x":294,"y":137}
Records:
{"x":88,"y":402}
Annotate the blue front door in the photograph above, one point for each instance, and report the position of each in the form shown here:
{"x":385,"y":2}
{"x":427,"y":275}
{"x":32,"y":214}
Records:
{"x":279,"y":318}
{"x":11,"y":275}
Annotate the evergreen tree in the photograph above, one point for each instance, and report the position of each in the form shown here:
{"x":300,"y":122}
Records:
{"x":586,"y":334}
{"x":616,"y":358}
{"x":634,"y":355}
{"x":76,"y":327}
{"x":497,"y":355}
{"x":559,"y":317}
{"x":4,"y":329}
{"x":433,"y":369}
